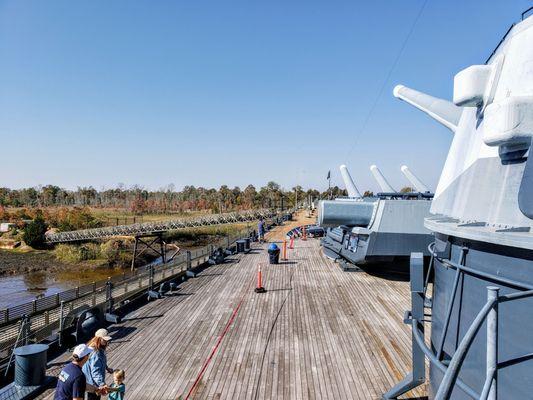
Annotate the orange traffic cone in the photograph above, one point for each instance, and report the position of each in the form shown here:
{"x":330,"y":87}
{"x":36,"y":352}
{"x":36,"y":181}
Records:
{"x":259,"y":288}
{"x":284,"y":258}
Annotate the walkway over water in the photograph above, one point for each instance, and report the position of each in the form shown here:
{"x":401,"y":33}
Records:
{"x":152,"y":228}
{"x":335,"y":335}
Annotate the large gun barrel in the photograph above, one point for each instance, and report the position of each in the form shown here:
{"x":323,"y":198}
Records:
{"x":348,"y":182}
{"x":443,"y":111}
{"x":417,"y":183}
{"x":382,"y":182}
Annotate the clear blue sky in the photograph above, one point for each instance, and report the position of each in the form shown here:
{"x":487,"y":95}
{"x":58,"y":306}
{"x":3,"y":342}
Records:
{"x":228,"y":92}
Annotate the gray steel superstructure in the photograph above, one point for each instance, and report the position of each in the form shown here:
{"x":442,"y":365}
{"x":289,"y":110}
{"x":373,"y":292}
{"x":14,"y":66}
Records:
{"x":482,"y":274}
{"x":385,"y":227}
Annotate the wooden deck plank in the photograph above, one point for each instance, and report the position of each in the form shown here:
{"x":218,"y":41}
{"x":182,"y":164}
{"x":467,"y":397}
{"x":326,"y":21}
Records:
{"x":338,"y":335}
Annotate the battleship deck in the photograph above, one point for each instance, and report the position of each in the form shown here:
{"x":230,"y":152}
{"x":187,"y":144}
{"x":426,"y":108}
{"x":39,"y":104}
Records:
{"x":317,"y":333}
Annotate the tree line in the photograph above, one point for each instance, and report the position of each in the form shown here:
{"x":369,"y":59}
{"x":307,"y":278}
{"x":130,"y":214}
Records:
{"x":140,"y":201}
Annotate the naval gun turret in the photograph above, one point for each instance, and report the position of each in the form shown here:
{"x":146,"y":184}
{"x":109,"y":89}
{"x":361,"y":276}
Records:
{"x":417,"y":183}
{"x":340,"y":215}
{"x":481,"y":278}
{"x":391,"y":229}
{"x":352,"y":190}
{"x":353,"y":210}
{"x":382,"y":181}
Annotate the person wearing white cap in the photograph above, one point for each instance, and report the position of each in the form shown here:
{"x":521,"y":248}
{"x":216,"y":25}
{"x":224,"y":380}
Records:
{"x":71,"y":382}
{"x":96,"y":367}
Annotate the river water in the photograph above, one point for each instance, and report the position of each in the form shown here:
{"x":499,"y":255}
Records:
{"x":18,"y":289}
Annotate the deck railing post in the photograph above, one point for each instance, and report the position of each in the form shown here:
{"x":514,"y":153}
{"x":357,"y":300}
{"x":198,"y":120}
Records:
{"x":418,"y":374}
{"x":189,"y":259}
{"x":151,"y":277}
{"x":61,"y":311}
{"x":492,"y":342}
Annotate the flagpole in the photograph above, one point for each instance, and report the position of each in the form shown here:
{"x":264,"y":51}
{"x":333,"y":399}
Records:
{"x":329,"y":184}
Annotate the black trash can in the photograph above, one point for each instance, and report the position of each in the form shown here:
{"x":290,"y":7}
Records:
{"x":241,"y":244}
{"x":30,"y":365}
{"x":247,"y":244}
{"x":273,"y":254}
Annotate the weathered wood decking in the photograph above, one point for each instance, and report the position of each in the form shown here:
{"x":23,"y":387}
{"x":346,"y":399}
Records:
{"x":318,"y":333}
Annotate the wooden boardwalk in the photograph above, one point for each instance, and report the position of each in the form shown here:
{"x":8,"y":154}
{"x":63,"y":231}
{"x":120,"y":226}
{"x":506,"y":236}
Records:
{"x":318,"y":333}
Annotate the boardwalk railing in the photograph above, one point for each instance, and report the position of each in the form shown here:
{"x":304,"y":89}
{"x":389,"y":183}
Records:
{"x":37,"y":320}
{"x":148,"y":228}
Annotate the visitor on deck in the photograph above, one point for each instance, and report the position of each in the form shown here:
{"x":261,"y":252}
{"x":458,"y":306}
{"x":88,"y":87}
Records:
{"x":71,"y":382}
{"x":261,"y":230}
{"x":96,"y":366}
{"x":117,"y":388}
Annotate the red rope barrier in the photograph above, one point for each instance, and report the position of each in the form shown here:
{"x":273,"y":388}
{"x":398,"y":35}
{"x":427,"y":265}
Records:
{"x":206,"y":363}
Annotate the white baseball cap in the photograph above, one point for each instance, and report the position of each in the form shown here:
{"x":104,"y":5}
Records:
{"x":103,"y":333}
{"x":82,"y":350}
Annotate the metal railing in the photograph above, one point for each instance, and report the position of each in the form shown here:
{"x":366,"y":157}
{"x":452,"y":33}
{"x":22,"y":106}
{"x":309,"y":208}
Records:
{"x":37,"y":320}
{"x":148,"y":228}
{"x":40,"y":318}
{"x":523,"y":16}
{"x":488,"y":313}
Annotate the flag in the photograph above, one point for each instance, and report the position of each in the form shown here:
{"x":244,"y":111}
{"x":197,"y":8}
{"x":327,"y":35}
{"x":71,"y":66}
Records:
{"x":329,"y":175}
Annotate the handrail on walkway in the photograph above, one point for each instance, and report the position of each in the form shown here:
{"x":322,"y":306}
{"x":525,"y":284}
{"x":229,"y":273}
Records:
{"x":148,"y":228}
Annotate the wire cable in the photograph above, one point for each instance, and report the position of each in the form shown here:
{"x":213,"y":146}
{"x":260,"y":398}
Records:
{"x":384,"y":84}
